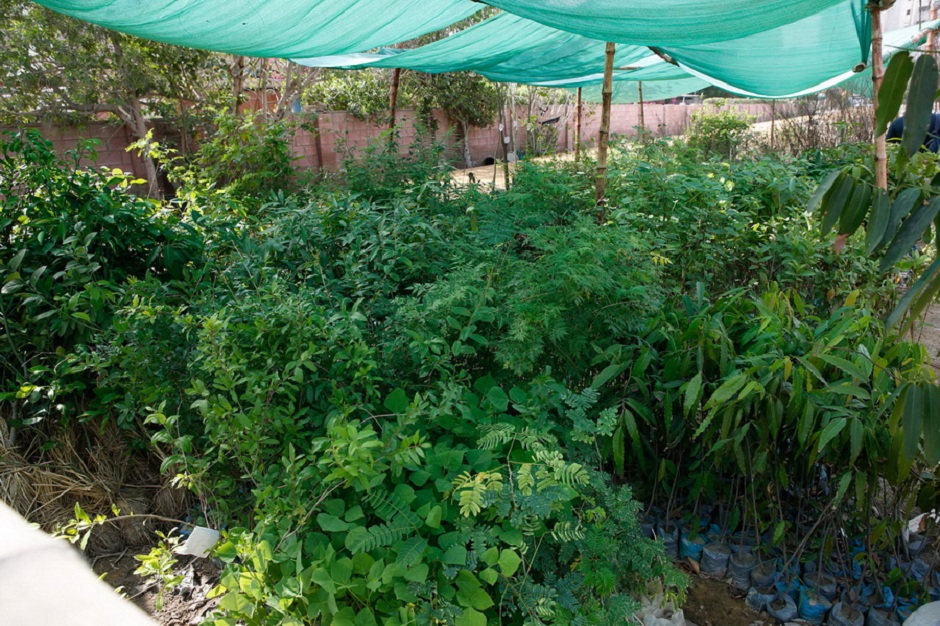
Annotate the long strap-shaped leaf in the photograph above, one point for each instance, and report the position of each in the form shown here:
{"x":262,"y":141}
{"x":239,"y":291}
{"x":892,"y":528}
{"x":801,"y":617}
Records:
{"x":920,"y":99}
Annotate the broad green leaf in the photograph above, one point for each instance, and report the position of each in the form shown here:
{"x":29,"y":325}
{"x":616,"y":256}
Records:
{"x":397,"y":401}
{"x":920,"y":99}
{"x":830,"y":432}
{"x":331,"y":523}
{"x":877,"y":221}
{"x":845,"y":365}
{"x":727,"y":390}
{"x":693,"y":394}
{"x":618,"y":446}
{"x":910,"y":232}
{"x":844,"y":483}
{"x":902,"y":206}
{"x":855,"y":438}
{"x":824,"y":187}
{"x":846,"y":389}
{"x":509,"y":562}
{"x":498,"y":399}
{"x":607,"y":373}
{"x":455,"y":555}
{"x":489,"y":576}
{"x":417,"y":574}
{"x":835,"y":201}
{"x":912,"y":420}
{"x":365,"y":617}
{"x":932,"y":423}
{"x":891,"y":93}
{"x":322,"y":577}
{"x":17,"y":260}
{"x":855,"y":209}
{"x":471,"y":617}
{"x":490,"y":556}
{"x":433,"y":520}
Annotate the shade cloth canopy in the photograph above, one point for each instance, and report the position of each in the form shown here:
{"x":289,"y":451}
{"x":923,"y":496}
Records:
{"x":272,"y":28}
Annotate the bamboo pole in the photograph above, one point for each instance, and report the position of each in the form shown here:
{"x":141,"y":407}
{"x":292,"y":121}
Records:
{"x":603,"y":138}
{"x":393,"y":98}
{"x":507,"y":127}
{"x":642,"y":112}
{"x":932,"y":37}
{"x":877,"y":75}
{"x":577,"y":128}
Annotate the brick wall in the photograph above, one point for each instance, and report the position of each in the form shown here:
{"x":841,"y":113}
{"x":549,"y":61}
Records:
{"x":341,"y":133}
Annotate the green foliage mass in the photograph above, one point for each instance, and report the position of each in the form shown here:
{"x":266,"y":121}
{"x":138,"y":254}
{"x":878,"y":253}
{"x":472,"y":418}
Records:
{"x":411,"y":403}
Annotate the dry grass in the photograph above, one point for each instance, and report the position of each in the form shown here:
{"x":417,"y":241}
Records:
{"x":90,"y":467}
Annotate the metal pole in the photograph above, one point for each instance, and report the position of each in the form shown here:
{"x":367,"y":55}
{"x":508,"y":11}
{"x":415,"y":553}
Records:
{"x":600,"y":182}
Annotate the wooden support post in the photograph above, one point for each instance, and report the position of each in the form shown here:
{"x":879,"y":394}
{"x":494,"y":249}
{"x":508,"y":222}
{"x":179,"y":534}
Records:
{"x":577,"y":128}
{"x":877,"y":75}
{"x":603,"y":138}
{"x":393,"y":98}
{"x":639,"y":86}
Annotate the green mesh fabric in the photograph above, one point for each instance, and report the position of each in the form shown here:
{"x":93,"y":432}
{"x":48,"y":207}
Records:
{"x":505,"y":48}
{"x":805,"y":56}
{"x":785,"y":61}
{"x":627,"y":92}
{"x":741,"y":66}
{"x":266,"y":28}
{"x":664,"y":22}
{"x":762,"y":48}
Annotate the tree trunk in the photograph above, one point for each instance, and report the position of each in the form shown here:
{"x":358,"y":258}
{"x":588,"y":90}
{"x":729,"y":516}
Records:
{"x":134,"y":118}
{"x":237,"y":70}
{"x":465,"y":128}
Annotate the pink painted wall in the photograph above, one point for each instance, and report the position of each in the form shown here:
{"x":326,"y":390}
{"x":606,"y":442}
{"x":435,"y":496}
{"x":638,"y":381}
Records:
{"x":341,"y":133}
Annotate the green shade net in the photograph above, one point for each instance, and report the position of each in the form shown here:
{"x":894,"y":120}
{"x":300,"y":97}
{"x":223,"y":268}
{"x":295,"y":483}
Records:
{"x":505,"y":48}
{"x":807,"y":57}
{"x":266,"y":28}
{"x":664,"y":22}
{"x":790,"y":60}
{"x":626,"y":92}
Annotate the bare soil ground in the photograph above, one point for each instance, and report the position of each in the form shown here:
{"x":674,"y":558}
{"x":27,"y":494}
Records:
{"x":185,"y":606}
{"x":710,"y":603}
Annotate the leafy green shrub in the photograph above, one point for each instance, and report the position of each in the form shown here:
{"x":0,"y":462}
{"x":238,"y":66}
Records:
{"x":247,"y":155}
{"x":380,"y":172}
{"x":70,"y":239}
{"x":713,"y":130}
{"x":541,"y":298}
{"x":716,"y":392}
